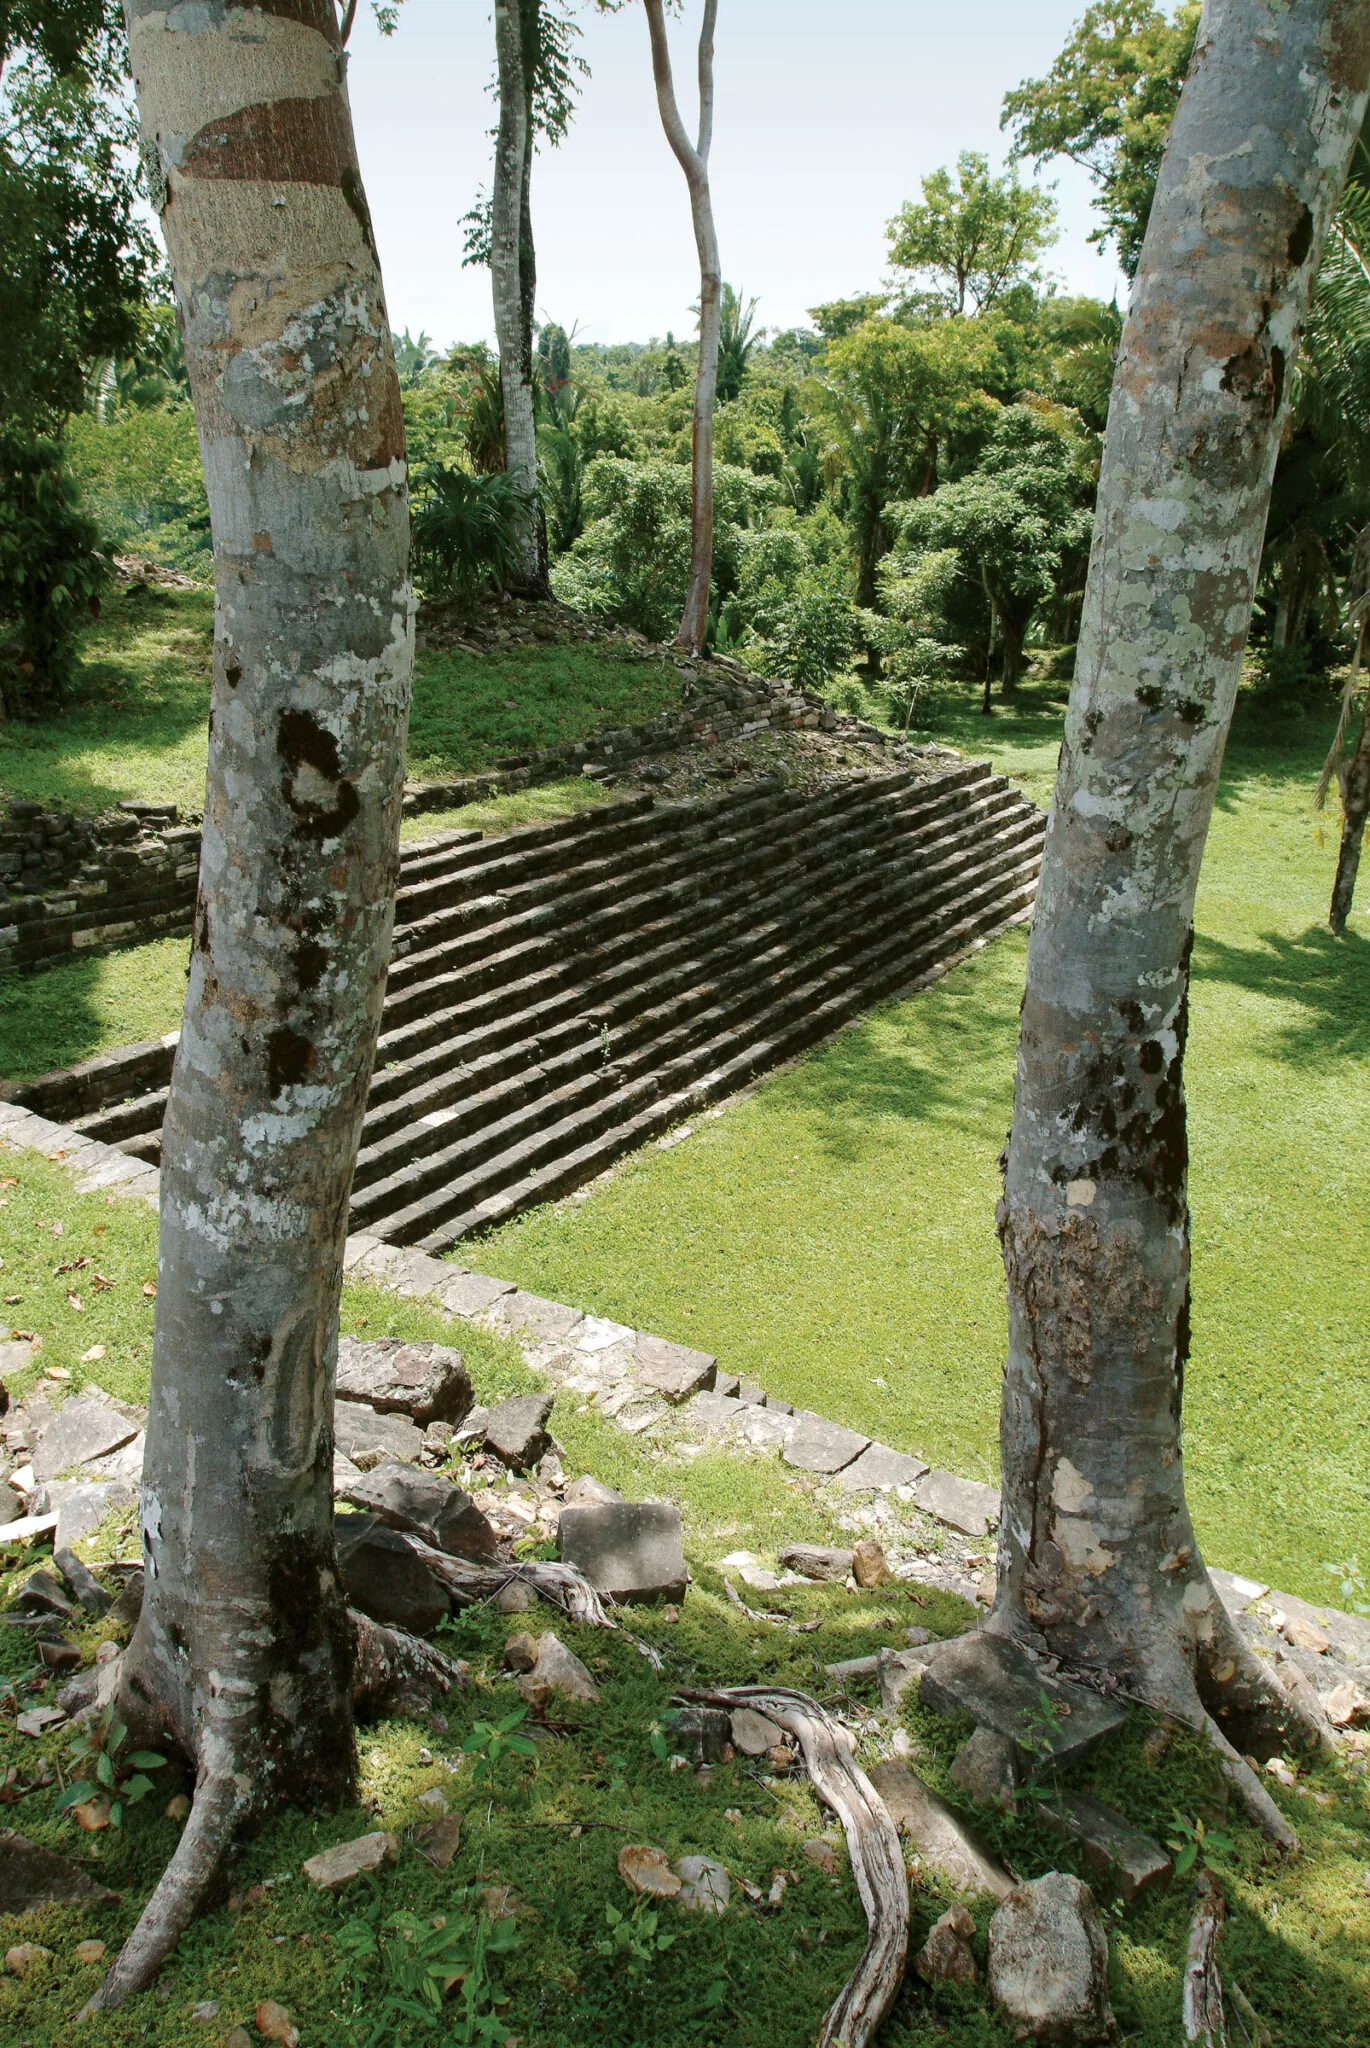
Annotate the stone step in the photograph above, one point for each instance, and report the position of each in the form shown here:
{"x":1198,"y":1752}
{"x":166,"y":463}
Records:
{"x":798,"y":1006}
{"x":547,"y":1002}
{"x":572,"y":1169}
{"x":417,"y":1122}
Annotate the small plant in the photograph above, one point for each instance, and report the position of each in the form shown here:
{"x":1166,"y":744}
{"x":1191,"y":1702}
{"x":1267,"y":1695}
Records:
{"x":633,"y":1942}
{"x":1195,"y":1843}
{"x":419,"y":1963}
{"x":1351,"y":1583}
{"x":490,"y":1742}
{"x":1041,"y":1726}
{"x":107,"y":1772}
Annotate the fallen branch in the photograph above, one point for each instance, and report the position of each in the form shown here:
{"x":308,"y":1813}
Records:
{"x":1203,"y":1987}
{"x":872,"y":1843}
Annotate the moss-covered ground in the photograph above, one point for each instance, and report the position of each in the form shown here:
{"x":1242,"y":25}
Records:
{"x":1298,"y":1936}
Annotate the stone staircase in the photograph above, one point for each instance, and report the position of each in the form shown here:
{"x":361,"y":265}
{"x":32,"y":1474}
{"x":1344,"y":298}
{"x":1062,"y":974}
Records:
{"x":561,"y":994}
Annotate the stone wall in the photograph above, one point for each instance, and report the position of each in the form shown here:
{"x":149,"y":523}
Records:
{"x":70,"y":884}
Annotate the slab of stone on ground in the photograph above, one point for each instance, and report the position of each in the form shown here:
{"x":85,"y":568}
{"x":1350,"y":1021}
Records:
{"x":940,"y":1836}
{"x":672,"y":1369}
{"x":426,"y":1382}
{"x":880,"y":1470}
{"x":964,"y":1504}
{"x":81,"y":1430}
{"x":819,"y":1446}
{"x":366,"y":1437}
{"x":997,"y":1685}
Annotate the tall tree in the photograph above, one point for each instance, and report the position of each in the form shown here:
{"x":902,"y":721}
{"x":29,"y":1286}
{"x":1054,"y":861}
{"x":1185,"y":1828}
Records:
{"x":244,"y":1656}
{"x":513,"y":266}
{"x":1348,"y":759}
{"x":694,"y":161}
{"x":1098,"y":1557}
{"x":972,"y":240}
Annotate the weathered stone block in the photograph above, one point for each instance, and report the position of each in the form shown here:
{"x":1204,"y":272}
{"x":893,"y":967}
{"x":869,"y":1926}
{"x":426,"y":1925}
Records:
{"x":81,"y":1430}
{"x":1048,"y":1962}
{"x":516,"y":1429}
{"x":816,"y":1560}
{"x":1108,"y":1842}
{"x":880,"y":1469}
{"x":942,"y":1838}
{"x":819,"y":1446}
{"x":32,"y":1877}
{"x":963,"y":1504}
{"x":426,"y":1505}
{"x":385,"y":1577}
{"x":361,"y":1434}
{"x":426,"y":1382}
{"x":632,"y":1550}
{"x":331,"y":1869}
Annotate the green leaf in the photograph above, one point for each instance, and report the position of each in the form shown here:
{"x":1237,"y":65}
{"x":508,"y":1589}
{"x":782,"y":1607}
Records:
{"x":1185,"y":1860}
{"x":146,"y":1760}
{"x":135,"y":1788}
{"x":74,"y":1794}
{"x":104,"y":1770}
{"x":116,"y":1815}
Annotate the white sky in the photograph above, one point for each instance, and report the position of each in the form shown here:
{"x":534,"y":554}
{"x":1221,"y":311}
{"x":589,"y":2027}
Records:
{"x":828,"y":114}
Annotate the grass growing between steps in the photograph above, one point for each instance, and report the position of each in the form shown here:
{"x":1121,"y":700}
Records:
{"x":1298,"y":1939}
{"x":833,"y":1236}
{"x":136,"y":721}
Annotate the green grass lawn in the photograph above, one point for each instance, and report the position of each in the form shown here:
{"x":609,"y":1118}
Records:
{"x":1297,"y":1937}
{"x":134,"y":724}
{"x":833,"y":1236}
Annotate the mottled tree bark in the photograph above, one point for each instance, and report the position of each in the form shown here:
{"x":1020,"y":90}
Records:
{"x":511,"y":270}
{"x":1098,"y":1559}
{"x":243,"y":1653}
{"x":694,"y":161}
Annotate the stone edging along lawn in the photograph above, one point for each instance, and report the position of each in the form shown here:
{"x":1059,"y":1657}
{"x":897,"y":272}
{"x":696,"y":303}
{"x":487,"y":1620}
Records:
{"x":932,"y":1524}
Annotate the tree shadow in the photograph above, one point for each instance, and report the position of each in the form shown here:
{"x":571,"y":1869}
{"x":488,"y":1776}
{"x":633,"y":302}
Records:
{"x":1325,"y":980}
{"x":943,"y":1058}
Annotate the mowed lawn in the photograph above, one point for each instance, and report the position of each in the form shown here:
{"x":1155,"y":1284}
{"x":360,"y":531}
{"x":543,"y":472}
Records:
{"x":833,"y":1235}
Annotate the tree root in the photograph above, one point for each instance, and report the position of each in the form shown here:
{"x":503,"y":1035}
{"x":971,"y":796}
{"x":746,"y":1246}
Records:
{"x":394,"y":1672}
{"x":877,"y":1859}
{"x":1202,"y":2007}
{"x":561,"y":1584}
{"x":181,"y":1892}
{"x":1256,"y":1799}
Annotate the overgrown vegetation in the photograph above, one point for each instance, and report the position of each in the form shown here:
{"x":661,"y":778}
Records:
{"x":539,"y":1851}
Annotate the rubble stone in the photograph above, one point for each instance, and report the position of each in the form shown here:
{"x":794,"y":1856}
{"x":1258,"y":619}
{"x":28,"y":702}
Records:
{"x":81,"y":1430}
{"x":880,"y":1469}
{"x":516,"y":1429}
{"x":368,"y":1438}
{"x":816,"y":1560}
{"x":673,"y":1369}
{"x":1048,"y":1962}
{"x":331,"y":1869}
{"x":426,"y":1505}
{"x":941,"y":1837}
{"x":819,"y":1446}
{"x":1109,"y":1844}
{"x":32,"y":1877}
{"x":426,"y":1382}
{"x":963,"y":1504}
{"x":997,"y":1684}
{"x":385,"y":1577}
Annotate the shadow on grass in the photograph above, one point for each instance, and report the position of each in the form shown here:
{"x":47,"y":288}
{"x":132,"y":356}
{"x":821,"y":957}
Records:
{"x":63,"y":1013}
{"x":1325,"y":978}
{"x":943,"y":1057}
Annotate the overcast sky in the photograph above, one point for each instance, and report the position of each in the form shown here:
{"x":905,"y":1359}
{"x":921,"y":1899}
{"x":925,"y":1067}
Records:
{"x":828,"y":114}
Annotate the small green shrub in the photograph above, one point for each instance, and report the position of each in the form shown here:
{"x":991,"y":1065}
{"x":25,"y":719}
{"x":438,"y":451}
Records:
{"x":469,"y":531}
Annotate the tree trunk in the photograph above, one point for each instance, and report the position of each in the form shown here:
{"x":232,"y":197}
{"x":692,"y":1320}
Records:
{"x":1098,"y":1560}
{"x":694,"y":161}
{"x":1011,"y":652}
{"x":513,"y":309}
{"x":1355,"y":806}
{"x":242,"y":1656}
{"x":528,"y":280}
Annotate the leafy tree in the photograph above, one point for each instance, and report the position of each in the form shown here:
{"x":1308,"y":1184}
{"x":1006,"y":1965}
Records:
{"x":73,"y":270}
{"x":1017,"y":521}
{"x":840,"y":317}
{"x":1107,"y":103}
{"x":972,"y":239}
{"x":888,"y":394}
{"x":736,"y":341}
{"x":413,"y":356}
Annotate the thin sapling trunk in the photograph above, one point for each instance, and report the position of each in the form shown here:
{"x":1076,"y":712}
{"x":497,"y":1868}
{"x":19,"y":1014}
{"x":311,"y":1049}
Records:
{"x":512,"y":274}
{"x":694,"y":161}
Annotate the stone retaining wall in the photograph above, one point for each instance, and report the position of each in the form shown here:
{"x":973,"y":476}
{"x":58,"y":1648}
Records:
{"x":71,"y":885}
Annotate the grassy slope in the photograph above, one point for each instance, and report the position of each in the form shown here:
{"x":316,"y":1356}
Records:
{"x":1298,"y":1938}
{"x":833,"y":1235}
